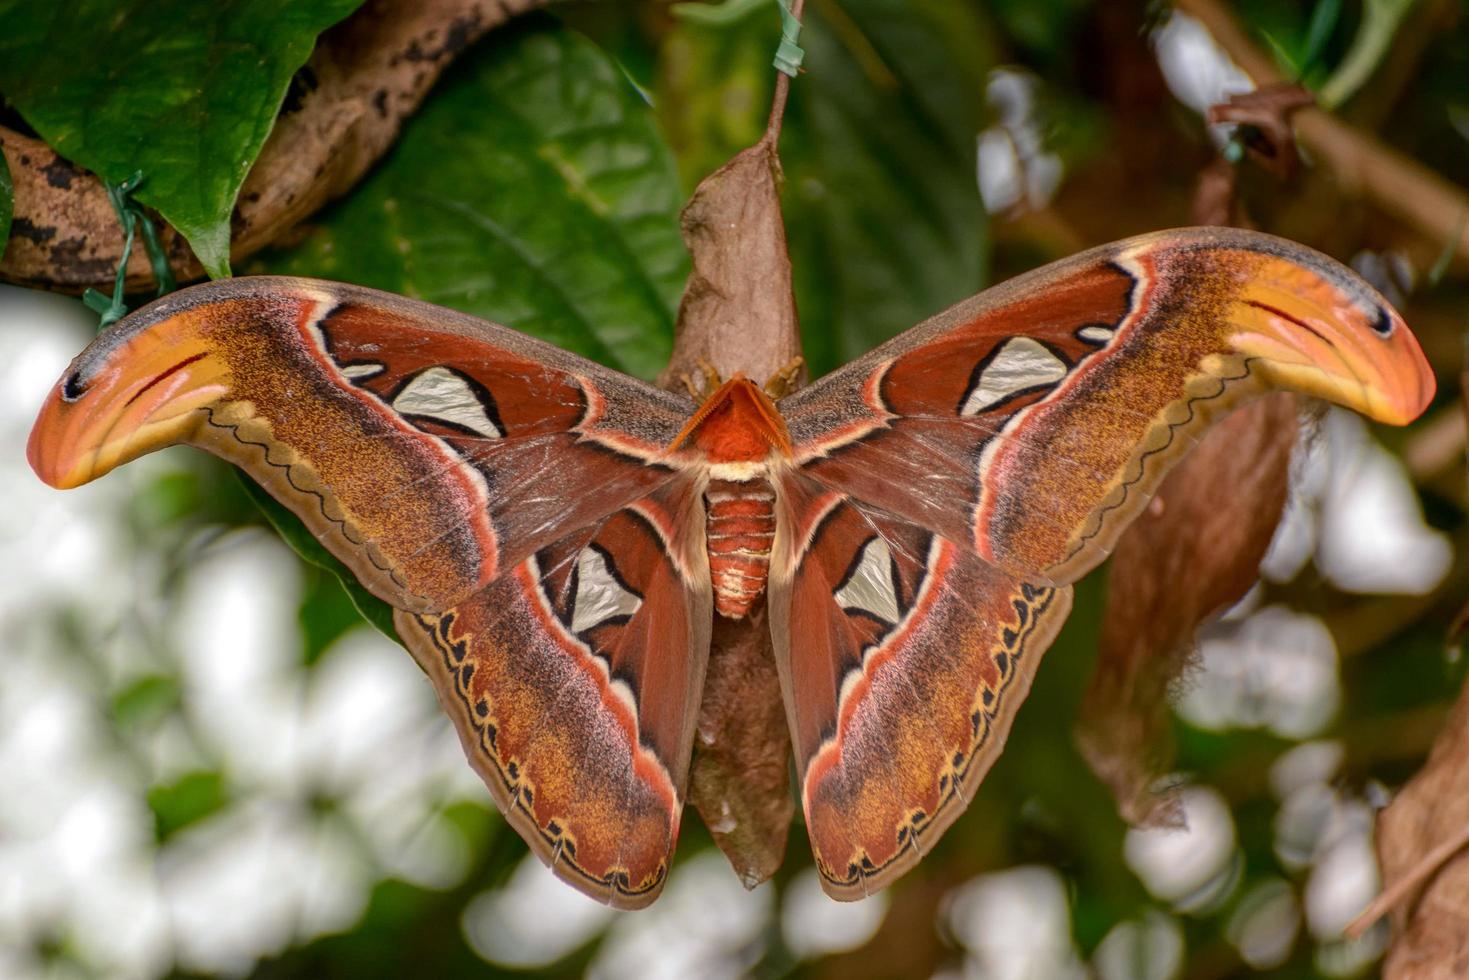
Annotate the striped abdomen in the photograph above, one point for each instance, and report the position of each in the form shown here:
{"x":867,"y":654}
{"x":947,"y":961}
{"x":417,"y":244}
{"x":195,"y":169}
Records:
{"x":741,"y":528}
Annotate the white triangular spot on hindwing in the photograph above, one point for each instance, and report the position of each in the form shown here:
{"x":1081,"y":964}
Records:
{"x":868,"y":586}
{"x":600,"y":595}
{"x":442,"y":395}
{"x":1095,"y":333}
{"x":1021,"y":363}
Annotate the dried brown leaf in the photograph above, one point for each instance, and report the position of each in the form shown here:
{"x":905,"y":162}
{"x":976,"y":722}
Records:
{"x":1266,"y":115}
{"x":1195,"y":551}
{"x":1427,"y":875}
{"x":738,"y":311}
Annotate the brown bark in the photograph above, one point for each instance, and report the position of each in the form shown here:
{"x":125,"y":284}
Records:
{"x":366,"y":76}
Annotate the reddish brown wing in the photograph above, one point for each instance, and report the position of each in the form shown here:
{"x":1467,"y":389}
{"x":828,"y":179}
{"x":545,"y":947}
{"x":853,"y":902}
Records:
{"x":993,"y":454}
{"x":1034,"y":420}
{"x":430,"y":451}
{"x":904,"y":658}
{"x":574,"y":683}
{"x":510,"y":499}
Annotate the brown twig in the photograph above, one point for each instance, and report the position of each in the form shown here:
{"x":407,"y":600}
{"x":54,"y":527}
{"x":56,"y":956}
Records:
{"x":1394,"y":894}
{"x":782,"y":90}
{"x":365,"y":77}
{"x":1392,"y":182}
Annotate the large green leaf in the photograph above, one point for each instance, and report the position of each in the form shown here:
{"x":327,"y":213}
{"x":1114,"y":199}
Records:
{"x":882,"y":203}
{"x":886,"y":223}
{"x":184,"y":91}
{"x":533,"y":190}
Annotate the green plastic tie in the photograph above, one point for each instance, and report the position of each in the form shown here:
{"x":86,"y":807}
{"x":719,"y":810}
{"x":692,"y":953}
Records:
{"x":130,"y":215}
{"x":789,"y":55}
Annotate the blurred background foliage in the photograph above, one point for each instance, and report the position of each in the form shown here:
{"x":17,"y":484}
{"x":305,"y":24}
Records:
{"x":209,"y":764}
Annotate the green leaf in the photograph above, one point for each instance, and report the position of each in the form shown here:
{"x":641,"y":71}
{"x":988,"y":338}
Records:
{"x":326,"y":612}
{"x":186,"y":801}
{"x":146,"y":700}
{"x":7,"y":202}
{"x":184,"y":91}
{"x":533,"y":190}
{"x":377,"y":612}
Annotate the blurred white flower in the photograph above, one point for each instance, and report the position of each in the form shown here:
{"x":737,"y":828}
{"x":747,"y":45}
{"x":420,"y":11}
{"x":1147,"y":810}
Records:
{"x":1198,"y":71}
{"x":1274,"y":668}
{"x":535,"y":920}
{"x":1265,"y":923}
{"x":705,"y":925}
{"x":1354,"y":508}
{"x":815,"y":925}
{"x":1193,"y":867}
{"x":1014,"y":925}
{"x":1147,"y":949}
{"x":1014,"y":167}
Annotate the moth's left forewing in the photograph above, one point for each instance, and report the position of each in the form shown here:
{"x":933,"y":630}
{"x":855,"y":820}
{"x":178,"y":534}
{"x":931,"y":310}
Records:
{"x":903,"y":659}
{"x":574,"y":684}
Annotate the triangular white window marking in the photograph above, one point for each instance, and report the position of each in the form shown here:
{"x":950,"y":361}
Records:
{"x":1020,"y":364}
{"x":444,"y":396}
{"x":869,"y":586}
{"x":362,"y":370}
{"x":599,"y":595}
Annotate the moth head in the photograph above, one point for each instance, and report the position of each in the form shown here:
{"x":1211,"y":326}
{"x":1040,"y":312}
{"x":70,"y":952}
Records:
{"x":1314,"y":326}
{"x":136,"y":388}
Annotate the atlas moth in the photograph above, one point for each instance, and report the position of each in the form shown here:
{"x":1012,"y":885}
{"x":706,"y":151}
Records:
{"x":556,"y":538}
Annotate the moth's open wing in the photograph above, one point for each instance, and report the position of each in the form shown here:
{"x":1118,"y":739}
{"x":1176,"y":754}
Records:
{"x":1033,"y":421}
{"x":507,"y":497}
{"x":991,"y":456}
{"x":430,"y":451}
{"x":574,"y":683}
{"x":903,"y":658}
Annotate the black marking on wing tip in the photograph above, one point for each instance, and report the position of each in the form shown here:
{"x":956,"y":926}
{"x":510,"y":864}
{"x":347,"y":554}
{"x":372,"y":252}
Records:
{"x":482,"y":708}
{"x":72,"y":388}
{"x":465,"y":673}
{"x":1383,"y":325}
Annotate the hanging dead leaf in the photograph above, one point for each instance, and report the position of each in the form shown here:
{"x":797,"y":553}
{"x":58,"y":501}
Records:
{"x":1195,"y":551}
{"x":738,"y":311}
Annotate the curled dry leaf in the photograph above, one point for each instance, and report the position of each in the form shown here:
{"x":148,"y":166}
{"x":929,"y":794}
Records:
{"x":739,"y":314}
{"x":1266,"y":115}
{"x":738,"y":310}
{"x":365,"y":77}
{"x":1426,"y":875}
{"x":1195,"y":551}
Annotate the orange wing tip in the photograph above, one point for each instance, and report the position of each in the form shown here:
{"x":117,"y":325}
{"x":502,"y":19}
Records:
{"x":1349,"y":347}
{"x":144,"y":396}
